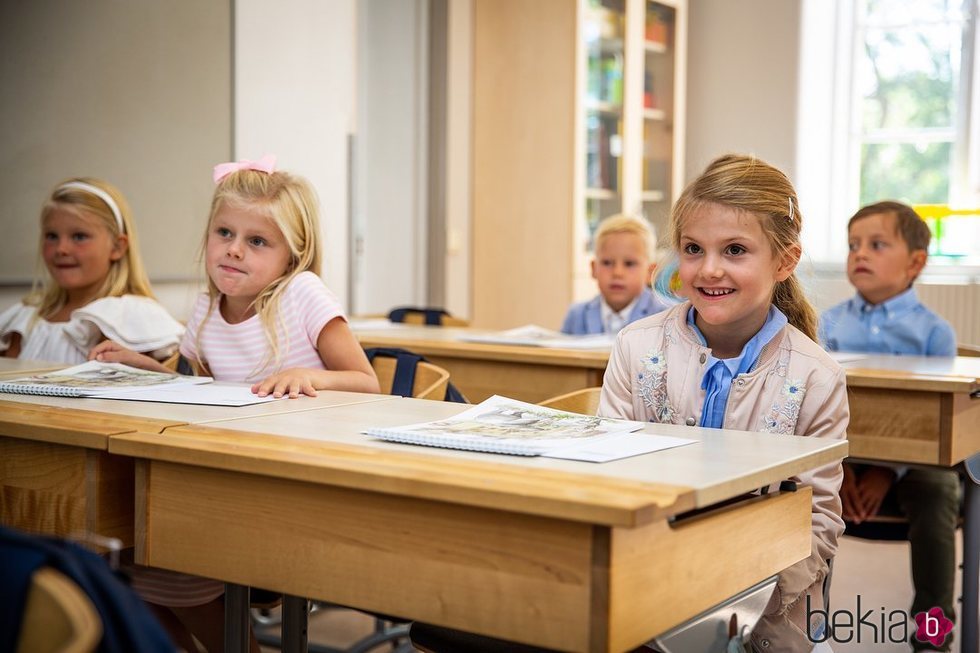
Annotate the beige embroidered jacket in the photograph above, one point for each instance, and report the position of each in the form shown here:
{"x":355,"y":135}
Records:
{"x":655,"y":373}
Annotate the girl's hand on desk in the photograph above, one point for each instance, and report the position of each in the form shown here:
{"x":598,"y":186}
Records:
{"x":292,"y":382}
{"x":108,"y":351}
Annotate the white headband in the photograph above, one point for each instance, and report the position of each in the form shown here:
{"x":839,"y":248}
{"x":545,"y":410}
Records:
{"x":101,"y":194}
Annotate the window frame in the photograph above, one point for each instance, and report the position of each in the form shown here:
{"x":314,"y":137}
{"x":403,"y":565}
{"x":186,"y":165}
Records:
{"x":830,"y":131}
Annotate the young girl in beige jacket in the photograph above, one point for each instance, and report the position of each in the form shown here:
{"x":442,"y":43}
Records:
{"x":741,"y":353}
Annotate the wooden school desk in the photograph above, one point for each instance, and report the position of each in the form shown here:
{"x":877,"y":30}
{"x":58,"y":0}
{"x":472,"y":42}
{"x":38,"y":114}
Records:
{"x":562,"y":554}
{"x":56,"y":474}
{"x":926,"y":411}
{"x":481,"y":370}
{"x":12,"y":368}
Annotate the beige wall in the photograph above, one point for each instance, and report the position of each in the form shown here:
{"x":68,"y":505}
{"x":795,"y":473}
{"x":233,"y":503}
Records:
{"x":136,"y":93}
{"x":743,"y":60}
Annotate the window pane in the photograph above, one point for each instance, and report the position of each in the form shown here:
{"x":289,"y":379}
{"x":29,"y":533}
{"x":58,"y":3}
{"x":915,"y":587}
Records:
{"x":880,"y":12}
{"x":915,"y":174}
{"x":909,"y":77}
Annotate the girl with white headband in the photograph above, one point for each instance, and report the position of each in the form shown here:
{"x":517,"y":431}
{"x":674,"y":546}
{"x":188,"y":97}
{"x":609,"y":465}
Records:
{"x":91,"y":286}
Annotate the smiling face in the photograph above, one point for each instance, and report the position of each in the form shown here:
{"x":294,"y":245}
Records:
{"x":728,"y":270}
{"x":245,"y":253}
{"x":621,"y":268}
{"x":78,"y":251}
{"x":879,"y":262}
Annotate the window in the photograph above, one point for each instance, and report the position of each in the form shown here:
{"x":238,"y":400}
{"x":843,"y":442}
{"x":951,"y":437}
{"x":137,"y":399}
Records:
{"x":896,"y":100}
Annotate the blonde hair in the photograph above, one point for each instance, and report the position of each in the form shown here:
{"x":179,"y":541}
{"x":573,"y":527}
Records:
{"x":750,"y":185}
{"x":291,"y":203}
{"x":627,"y":224}
{"x":126,"y":275}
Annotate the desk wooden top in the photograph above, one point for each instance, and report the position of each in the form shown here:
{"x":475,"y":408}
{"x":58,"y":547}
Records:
{"x":445,"y":341}
{"x":11,"y":368}
{"x":327,"y":447}
{"x":89,"y":422}
{"x":922,"y":373}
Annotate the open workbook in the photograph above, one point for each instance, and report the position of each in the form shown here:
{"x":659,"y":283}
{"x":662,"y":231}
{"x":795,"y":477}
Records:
{"x":118,"y":381}
{"x":95,"y":379}
{"x":502,"y":425}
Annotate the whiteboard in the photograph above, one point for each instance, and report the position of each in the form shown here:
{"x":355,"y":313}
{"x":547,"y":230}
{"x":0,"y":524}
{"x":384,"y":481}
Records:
{"x":138,"y":93}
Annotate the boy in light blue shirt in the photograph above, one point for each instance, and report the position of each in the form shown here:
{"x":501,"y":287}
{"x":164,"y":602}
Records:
{"x":622,"y":267}
{"x":887,"y":246}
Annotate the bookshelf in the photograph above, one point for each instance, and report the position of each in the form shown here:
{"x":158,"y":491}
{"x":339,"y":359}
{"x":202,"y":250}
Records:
{"x":578,"y":114}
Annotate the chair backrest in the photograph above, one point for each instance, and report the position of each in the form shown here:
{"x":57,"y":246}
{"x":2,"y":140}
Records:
{"x":58,"y":616}
{"x":430,"y":380}
{"x":430,"y":316}
{"x":579,"y":401}
{"x":967,"y":350}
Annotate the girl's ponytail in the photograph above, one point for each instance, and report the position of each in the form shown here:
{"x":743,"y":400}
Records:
{"x":788,"y":297}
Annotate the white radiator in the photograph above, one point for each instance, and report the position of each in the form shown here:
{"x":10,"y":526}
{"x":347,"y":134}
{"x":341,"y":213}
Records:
{"x":958,"y":303}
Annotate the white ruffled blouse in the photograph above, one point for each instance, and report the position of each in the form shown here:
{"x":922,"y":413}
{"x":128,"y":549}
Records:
{"x":136,"y":322}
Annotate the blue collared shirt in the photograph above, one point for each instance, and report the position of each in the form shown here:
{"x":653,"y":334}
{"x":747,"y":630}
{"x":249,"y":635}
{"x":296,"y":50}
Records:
{"x":720,"y":372}
{"x":900,"y":325}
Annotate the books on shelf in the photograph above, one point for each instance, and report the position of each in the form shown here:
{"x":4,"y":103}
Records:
{"x":508,"y":426}
{"x":532,"y":335}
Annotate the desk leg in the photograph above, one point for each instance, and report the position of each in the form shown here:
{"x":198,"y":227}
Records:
{"x":971,"y":558}
{"x":295,"y":615}
{"x":236,"y":618}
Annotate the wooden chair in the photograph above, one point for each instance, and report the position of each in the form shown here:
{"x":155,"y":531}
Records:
{"x":584,"y":401}
{"x":430,"y":316}
{"x":58,"y":616}
{"x":968,"y":350}
{"x":430,"y":380}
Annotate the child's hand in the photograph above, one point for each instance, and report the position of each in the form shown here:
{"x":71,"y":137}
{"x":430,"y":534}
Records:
{"x":108,"y":351}
{"x":292,"y":382}
{"x":872,"y":488}
{"x":849,"y":496}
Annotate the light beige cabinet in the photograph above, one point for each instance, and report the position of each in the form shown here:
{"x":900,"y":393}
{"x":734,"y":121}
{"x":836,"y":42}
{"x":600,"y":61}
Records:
{"x":578,"y":114}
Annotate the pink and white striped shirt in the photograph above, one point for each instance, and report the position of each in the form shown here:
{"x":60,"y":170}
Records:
{"x":237,"y":352}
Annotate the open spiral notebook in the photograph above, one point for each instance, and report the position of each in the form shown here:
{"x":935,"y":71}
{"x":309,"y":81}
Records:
{"x":117,"y":381}
{"x":508,"y":426}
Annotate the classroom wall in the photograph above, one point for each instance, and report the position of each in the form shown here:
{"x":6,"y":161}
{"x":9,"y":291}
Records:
{"x":140,"y":97}
{"x":389,"y":257}
{"x":183,"y":87}
{"x":295,"y":74}
{"x":742,"y":67}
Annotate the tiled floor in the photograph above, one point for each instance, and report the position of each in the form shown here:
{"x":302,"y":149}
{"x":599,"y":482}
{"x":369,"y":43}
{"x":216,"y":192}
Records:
{"x":877,"y":571}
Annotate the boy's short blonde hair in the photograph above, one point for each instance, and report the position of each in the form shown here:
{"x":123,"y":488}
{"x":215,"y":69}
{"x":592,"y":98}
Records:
{"x":627,"y":224}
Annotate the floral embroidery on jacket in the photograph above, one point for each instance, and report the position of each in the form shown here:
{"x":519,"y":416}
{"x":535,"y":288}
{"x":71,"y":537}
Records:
{"x":783,"y":414}
{"x":651,"y":381}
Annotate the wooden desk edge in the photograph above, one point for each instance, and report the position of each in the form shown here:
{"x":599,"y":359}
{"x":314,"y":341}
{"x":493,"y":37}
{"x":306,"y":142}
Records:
{"x":859,"y":377}
{"x":551,"y":493}
{"x":90,"y":429}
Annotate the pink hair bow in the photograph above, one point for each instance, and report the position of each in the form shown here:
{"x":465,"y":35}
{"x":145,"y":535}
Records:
{"x":266,"y":164}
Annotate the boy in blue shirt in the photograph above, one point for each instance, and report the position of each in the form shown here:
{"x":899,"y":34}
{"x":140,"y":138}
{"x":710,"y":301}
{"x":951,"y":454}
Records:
{"x":622,"y":266}
{"x":887,"y":245}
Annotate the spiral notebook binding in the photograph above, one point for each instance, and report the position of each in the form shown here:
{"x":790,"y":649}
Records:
{"x":47,"y":391}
